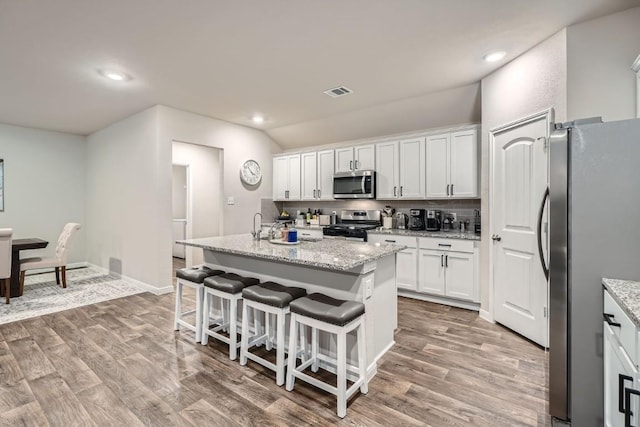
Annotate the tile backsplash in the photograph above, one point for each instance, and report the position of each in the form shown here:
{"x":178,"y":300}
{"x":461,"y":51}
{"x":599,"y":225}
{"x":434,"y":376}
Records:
{"x":464,"y":208}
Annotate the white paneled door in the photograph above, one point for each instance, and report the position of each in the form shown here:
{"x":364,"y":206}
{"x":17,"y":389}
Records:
{"x":520,"y":177}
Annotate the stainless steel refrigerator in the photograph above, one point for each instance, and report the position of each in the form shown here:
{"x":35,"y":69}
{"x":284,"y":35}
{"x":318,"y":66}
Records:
{"x":594,"y":196}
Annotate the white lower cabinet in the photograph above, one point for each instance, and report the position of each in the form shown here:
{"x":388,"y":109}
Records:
{"x":446,"y":268}
{"x":406,"y":259}
{"x":621,"y":379}
{"x":431,"y":271}
{"x":447,"y":273}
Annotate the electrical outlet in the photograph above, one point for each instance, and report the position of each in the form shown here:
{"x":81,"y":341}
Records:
{"x":368,"y":287}
{"x":454,"y":216}
{"x":231,"y":200}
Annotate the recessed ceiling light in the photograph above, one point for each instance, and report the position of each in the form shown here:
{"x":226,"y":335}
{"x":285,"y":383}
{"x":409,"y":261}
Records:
{"x":114,"y":75}
{"x":494,"y":56}
{"x":257,"y":118}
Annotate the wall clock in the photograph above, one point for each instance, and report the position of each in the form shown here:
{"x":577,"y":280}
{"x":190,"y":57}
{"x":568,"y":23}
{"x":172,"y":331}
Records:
{"x":250,"y":172}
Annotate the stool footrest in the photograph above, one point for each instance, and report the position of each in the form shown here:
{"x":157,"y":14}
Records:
{"x":331,"y":362}
{"x":186,"y":325}
{"x":259,"y":360}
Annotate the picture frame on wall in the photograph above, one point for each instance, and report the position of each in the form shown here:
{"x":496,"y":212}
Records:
{"x":1,"y":185}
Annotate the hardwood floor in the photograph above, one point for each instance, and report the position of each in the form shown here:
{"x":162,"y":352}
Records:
{"x":120,"y":363}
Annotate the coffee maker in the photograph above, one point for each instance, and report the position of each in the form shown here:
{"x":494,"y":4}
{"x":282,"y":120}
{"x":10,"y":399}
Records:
{"x":417,"y":219}
{"x":434,"y":220}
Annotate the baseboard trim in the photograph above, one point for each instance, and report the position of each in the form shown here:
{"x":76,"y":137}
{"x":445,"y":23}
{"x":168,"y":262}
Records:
{"x":150,"y":288}
{"x":485,"y":315}
{"x":467,"y":305}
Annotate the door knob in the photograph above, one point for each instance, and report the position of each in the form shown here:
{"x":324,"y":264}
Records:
{"x":496,"y":238}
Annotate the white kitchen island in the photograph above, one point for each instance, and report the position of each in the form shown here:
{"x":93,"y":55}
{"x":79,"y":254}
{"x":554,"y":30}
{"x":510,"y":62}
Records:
{"x":338,"y":268}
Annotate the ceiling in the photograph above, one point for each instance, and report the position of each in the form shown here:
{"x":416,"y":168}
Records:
{"x":412,"y":64}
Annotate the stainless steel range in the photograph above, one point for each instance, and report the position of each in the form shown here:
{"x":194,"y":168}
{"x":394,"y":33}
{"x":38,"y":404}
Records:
{"x":353,"y":225}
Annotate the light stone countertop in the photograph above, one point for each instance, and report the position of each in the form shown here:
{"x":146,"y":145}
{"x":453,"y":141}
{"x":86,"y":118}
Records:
{"x":436,"y":234}
{"x":329,"y":254}
{"x":627,"y":294}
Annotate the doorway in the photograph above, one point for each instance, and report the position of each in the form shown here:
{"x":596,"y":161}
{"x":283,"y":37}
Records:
{"x":519,"y":225}
{"x":197,"y":195}
{"x":179,"y":204}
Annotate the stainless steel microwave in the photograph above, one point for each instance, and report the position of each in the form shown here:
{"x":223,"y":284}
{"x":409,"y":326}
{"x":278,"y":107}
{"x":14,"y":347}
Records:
{"x":355,"y":185}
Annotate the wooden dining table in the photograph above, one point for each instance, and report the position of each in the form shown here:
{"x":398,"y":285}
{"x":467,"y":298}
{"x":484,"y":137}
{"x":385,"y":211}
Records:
{"x":18,"y":245}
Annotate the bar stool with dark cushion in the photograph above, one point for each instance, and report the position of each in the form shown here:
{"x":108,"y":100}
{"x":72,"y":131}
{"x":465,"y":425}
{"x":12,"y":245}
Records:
{"x":339,"y":317}
{"x":269,"y":298}
{"x":228,"y":288}
{"x":193,"y":278}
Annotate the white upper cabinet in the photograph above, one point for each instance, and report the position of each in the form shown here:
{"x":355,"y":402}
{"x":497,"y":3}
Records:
{"x":360,"y":157}
{"x":286,"y":177}
{"x":364,"y":157}
{"x":325,"y":175}
{"x":437,"y":165}
{"x":400,"y":169}
{"x":387,"y":173}
{"x":317,"y":175}
{"x":464,"y":164}
{"x":412,"y":168}
{"x":452,"y":165}
{"x":309,"y":175}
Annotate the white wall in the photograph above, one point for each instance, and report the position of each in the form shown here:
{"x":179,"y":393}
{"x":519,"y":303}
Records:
{"x":205,"y":187}
{"x":178,"y":192}
{"x":44,"y":175}
{"x":530,"y":83}
{"x":600,"y":53}
{"x":129,"y":203}
{"x":126,"y":226}
{"x":238,"y":143}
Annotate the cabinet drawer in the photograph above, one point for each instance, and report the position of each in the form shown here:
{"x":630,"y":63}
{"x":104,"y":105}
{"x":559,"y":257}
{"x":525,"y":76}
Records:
{"x":408,"y":241}
{"x":446,"y":244}
{"x":626,"y":332}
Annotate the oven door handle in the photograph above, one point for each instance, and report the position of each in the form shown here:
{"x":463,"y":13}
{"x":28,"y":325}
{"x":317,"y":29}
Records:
{"x":362,"y":183}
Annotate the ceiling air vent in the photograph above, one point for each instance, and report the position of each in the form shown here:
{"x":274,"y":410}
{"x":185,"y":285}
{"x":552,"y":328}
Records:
{"x":338,"y":91}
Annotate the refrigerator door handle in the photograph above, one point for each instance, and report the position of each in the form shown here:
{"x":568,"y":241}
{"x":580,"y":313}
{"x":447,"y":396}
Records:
{"x":545,"y":268}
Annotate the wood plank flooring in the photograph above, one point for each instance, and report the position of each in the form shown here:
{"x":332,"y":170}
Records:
{"x":120,"y":363}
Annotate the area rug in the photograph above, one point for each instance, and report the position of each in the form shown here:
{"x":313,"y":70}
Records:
{"x":84,"y":286}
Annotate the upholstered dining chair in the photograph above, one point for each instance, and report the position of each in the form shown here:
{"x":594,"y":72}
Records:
{"x":5,"y":261}
{"x":58,"y":261}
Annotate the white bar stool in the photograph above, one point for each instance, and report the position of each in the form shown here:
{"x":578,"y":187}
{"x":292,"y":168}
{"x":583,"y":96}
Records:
{"x":227,"y":287}
{"x":338,"y":317}
{"x":192,"y":278}
{"x":272,"y":299}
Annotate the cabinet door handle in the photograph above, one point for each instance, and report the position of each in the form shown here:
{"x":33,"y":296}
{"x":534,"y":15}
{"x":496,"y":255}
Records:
{"x":444,"y":245}
{"x":318,"y":193}
{"x":394,"y":191}
{"x":448,"y":189}
{"x":446,"y":260}
{"x":401,"y":191}
{"x":390,"y":241}
{"x":351,"y":165}
{"x":621,"y":392}
{"x":356,"y":163}
{"x":306,"y":234}
{"x":286,"y":194}
{"x":314,"y":194}
{"x":627,"y":403}
{"x":609,"y":319}
{"x":441,"y":260}
{"x":452,"y":189}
